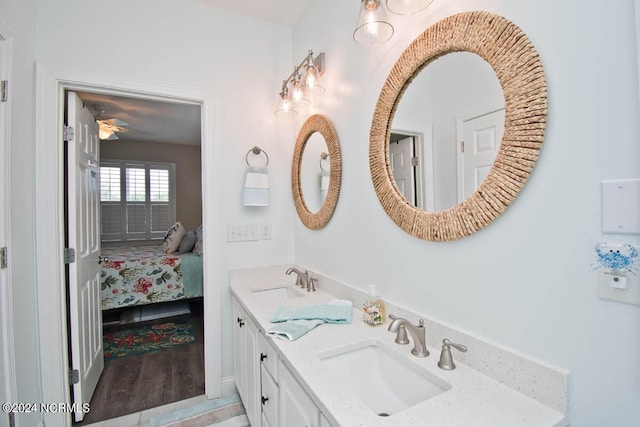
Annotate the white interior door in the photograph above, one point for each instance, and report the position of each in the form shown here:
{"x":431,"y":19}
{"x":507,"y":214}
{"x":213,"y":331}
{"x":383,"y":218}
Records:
{"x":481,"y":137}
{"x":401,"y":152}
{"x":83,"y":216}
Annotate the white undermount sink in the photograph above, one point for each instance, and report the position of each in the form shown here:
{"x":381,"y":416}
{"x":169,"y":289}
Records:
{"x":385,"y":382}
{"x":277,"y":294}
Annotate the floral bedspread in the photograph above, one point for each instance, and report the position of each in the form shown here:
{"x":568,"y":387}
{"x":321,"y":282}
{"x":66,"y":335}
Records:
{"x":140,"y":275}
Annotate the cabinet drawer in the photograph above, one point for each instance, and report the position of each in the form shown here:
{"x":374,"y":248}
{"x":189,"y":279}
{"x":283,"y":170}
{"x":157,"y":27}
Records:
{"x":268,"y":356}
{"x":269,"y":398}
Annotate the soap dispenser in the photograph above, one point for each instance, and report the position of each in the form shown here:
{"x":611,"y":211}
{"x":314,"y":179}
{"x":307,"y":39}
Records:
{"x":373,"y":312}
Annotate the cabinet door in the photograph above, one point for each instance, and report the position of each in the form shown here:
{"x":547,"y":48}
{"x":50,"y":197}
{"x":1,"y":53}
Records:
{"x":246,"y":362}
{"x":238,"y":350}
{"x":296,"y":407}
{"x":269,"y":399}
{"x":252,"y":374}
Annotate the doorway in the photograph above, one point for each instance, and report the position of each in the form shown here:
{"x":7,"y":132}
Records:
{"x":52,"y":81}
{"x":145,"y":160}
{"x":411,"y":157}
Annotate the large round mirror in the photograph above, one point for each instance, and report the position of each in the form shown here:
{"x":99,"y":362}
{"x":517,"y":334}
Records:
{"x":517,"y":66}
{"x":316,"y":172}
{"x":446,"y":131}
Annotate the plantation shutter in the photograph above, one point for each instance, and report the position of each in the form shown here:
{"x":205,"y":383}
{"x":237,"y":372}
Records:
{"x":137,"y":200}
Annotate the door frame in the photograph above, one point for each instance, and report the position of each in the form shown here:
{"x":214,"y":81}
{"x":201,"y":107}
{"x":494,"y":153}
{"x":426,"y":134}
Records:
{"x":7,"y":354}
{"x":51,"y":82}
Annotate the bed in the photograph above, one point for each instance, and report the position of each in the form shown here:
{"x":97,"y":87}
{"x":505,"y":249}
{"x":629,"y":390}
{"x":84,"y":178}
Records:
{"x":138,"y":275}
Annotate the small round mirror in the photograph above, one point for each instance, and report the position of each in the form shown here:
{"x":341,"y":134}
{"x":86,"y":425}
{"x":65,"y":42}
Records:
{"x":316,"y":172}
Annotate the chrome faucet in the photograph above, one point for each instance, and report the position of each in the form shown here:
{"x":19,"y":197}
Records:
{"x":418,"y":333}
{"x":302,"y":279}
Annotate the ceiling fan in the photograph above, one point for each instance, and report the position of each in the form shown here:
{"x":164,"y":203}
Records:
{"x":109,"y":127}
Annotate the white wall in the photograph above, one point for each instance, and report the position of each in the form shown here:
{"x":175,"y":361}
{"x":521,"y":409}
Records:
{"x":186,"y":42}
{"x":525,"y":281}
{"x":19,"y":17}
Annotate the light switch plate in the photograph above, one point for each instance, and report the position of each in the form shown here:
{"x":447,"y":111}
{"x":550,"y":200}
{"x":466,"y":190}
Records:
{"x":621,"y":206}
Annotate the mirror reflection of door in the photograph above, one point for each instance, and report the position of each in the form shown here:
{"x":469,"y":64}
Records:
{"x":314,"y":172}
{"x":455,"y":86}
{"x":479,"y":140}
{"x":403,"y":166}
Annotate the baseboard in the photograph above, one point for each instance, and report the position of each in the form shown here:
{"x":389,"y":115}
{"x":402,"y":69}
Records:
{"x":229,"y":386}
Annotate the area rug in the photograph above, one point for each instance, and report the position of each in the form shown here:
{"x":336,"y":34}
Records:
{"x":147,"y":339}
{"x":223,"y":412}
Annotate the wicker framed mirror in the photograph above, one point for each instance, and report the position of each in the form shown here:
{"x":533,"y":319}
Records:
{"x":520,"y":73}
{"x":329,"y":166}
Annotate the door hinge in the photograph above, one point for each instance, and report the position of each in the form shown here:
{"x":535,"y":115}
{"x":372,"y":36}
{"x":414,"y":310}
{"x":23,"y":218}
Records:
{"x":4,"y":257}
{"x":69,"y":255}
{"x":12,"y":419}
{"x":74,"y":376}
{"x":414,"y":161}
{"x":462,"y":146}
{"x":4,"y":90}
{"x":67,"y":133}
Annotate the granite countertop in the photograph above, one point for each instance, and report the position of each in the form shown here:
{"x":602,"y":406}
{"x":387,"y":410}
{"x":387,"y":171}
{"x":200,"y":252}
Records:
{"x":472,"y":398}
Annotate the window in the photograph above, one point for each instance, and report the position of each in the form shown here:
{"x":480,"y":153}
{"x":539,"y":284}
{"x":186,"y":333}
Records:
{"x":137,"y":200}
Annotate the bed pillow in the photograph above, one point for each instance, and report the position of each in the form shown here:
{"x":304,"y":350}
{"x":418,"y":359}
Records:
{"x":197,"y":248}
{"x":187,"y":243}
{"x":173,"y":238}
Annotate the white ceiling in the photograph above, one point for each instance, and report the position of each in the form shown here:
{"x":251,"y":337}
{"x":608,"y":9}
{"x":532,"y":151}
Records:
{"x":180,"y":123}
{"x":148,"y":120}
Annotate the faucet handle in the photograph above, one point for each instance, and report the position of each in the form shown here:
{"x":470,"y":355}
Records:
{"x":311,"y":284}
{"x":446,"y":359}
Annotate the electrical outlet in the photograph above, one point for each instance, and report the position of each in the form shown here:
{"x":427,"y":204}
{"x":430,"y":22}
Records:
{"x":618,"y":275}
{"x":265,"y":232}
{"x":620,"y":288}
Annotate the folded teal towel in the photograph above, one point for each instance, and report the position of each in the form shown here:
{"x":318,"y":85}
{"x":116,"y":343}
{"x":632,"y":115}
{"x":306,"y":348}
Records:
{"x":293,"y":329}
{"x":330,"y":313}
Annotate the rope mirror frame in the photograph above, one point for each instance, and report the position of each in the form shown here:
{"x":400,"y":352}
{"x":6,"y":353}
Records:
{"x":321,"y":124}
{"x":519,"y":70}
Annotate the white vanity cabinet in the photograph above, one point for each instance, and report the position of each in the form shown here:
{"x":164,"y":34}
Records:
{"x":246,"y":364}
{"x":270,"y":394}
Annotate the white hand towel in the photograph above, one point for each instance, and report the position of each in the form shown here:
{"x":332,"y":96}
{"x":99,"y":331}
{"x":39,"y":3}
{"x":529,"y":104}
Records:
{"x":256,"y":187}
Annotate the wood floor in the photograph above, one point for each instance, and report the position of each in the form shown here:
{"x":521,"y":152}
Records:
{"x":140,"y":382}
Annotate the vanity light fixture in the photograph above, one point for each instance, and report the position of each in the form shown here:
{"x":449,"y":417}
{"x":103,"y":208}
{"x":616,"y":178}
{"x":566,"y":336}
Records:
{"x":285,"y":106}
{"x":407,"y":7}
{"x":373,"y":27}
{"x":301,"y":85}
